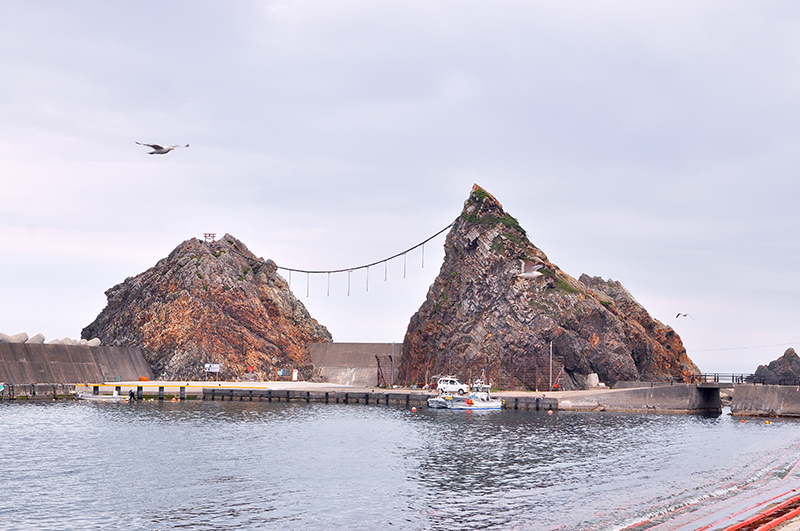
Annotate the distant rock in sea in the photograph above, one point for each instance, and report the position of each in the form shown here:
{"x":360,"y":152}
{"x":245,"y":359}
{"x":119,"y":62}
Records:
{"x":211,"y":303}
{"x":498,"y":304}
{"x":787,"y":367}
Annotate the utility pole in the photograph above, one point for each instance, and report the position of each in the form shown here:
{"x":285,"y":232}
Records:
{"x":551,"y":365}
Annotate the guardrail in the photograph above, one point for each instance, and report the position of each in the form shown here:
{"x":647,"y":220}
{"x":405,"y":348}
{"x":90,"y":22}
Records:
{"x":744,"y":379}
{"x":721,"y":378}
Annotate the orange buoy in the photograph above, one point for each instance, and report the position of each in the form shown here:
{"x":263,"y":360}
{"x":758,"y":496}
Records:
{"x":414,"y":409}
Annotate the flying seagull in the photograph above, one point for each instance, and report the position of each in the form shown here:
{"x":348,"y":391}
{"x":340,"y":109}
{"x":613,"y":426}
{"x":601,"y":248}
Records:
{"x":684,"y":315}
{"x":529,"y":269}
{"x":160,"y":150}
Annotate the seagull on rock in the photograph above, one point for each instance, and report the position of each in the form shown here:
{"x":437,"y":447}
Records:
{"x":160,"y":150}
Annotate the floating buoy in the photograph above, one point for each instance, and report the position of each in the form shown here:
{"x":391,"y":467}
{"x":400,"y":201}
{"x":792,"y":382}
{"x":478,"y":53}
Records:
{"x":767,"y":422}
{"x":413,"y":409}
{"x":469,"y":402}
{"x":742,"y":421}
{"x":549,"y":411}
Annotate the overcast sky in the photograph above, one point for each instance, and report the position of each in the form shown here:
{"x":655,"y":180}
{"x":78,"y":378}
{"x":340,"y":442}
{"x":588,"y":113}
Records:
{"x":651,"y":143}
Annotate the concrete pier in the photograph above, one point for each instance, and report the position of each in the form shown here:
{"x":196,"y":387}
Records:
{"x":655,"y":398}
{"x":373,"y":397}
{"x":301,"y":392}
{"x":667,"y":398}
{"x":766,"y":400}
{"x":37,"y":391}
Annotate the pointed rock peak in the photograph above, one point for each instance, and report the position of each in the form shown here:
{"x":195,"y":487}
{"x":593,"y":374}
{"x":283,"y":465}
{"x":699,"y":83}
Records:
{"x":481,"y":195}
{"x":486,"y":232}
{"x":481,"y":208}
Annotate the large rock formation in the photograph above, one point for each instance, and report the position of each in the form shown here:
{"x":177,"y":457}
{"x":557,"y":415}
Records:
{"x":785,"y":369}
{"x":481,"y":316}
{"x":210,"y":303}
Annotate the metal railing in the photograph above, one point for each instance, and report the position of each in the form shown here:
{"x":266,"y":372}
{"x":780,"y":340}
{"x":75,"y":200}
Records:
{"x":744,"y":379}
{"x":721,"y":378}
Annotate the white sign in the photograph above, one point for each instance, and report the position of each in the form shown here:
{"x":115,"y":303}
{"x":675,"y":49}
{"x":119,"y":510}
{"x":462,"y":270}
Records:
{"x":211,"y":367}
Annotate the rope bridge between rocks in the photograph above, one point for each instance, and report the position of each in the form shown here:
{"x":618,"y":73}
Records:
{"x":350,"y":270}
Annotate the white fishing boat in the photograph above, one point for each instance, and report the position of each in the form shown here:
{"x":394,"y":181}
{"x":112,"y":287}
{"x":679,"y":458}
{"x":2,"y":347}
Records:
{"x":478,"y":397}
{"x":440,"y":402}
{"x":116,"y":397}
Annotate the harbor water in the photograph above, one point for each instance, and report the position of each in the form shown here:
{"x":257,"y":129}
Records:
{"x":202,"y":465}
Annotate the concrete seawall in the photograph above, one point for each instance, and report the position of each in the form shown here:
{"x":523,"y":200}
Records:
{"x":677,"y":398}
{"x":24,"y":364}
{"x":356,"y":363}
{"x":766,"y":400}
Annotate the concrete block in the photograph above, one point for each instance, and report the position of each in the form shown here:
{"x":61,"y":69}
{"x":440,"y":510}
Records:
{"x":5,"y":338}
{"x":54,"y":342}
{"x":38,"y":339}
{"x":94,"y":342}
{"x":18,"y":338}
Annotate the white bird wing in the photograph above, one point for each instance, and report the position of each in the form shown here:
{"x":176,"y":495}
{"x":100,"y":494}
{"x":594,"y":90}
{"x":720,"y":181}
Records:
{"x":529,"y":267}
{"x":154,"y":146}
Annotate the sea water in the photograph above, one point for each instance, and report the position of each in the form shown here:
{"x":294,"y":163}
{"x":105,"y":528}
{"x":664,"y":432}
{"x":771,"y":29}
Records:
{"x":202,"y":465}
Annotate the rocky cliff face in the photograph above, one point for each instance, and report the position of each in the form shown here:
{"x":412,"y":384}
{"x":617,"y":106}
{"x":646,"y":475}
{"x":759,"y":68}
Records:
{"x":481,"y":316}
{"x":210,"y":303}
{"x":786,"y":369}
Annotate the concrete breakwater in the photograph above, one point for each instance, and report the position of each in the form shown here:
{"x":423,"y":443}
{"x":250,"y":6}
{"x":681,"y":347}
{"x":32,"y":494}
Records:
{"x":679,"y":398}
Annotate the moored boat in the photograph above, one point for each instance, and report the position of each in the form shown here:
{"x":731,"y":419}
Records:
{"x":440,"y":402}
{"x":116,"y":397}
{"x":479,"y":398}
